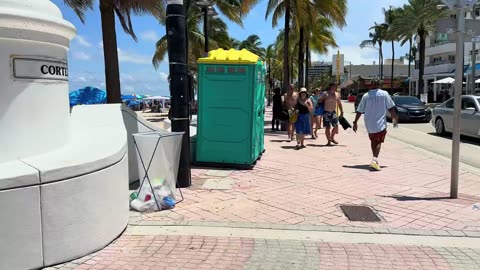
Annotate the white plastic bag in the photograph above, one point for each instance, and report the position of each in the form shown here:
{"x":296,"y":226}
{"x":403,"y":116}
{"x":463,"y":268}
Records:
{"x":142,"y":206}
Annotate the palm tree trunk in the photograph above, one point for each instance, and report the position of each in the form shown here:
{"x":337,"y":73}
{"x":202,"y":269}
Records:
{"x":421,"y":64}
{"x":409,"y":57}
{"x":393,"y":66}
{"x":301,"y":57}
{"x":110,"y":53}
{"x":381,"y":62}
{"x":291,"y":70}
{"x":286,"y":63}
{"x":269,"y":82}
{"x":307,"y":62}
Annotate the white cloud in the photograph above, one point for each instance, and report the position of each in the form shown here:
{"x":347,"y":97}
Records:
{"x":164,"y":76}
{"x":353,"y":54}
{"x":81,"y":56}
{"x":80,"y":79}
{"x":150,"y":35}
{"x":124,"y":77}
{"x":127,"y":57}
{"x":82,"y":41}
{"x":100,"y":45}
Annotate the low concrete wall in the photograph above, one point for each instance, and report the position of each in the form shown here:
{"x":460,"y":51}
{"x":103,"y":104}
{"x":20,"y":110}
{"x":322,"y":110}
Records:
{"x":84,"y":214}
{"x":20,"y":229}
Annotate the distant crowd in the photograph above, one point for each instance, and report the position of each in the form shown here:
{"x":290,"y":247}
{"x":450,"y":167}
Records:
{"x":303,"y":112}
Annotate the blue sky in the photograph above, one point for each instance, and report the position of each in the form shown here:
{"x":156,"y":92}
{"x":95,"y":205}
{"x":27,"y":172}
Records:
{"x":86,"y":67}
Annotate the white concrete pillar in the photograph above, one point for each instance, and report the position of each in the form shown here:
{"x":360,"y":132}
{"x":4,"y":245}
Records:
{"x":435,"y":85}
{"x":34,"y":105}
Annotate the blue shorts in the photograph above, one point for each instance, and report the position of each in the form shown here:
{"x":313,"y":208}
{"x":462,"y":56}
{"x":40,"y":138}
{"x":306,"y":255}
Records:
{"x":319,"y":111}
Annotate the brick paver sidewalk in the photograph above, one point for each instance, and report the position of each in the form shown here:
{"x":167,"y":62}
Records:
{"x":301,"y":190}
{"x":199,"y":252}
{"x":305,"y":187}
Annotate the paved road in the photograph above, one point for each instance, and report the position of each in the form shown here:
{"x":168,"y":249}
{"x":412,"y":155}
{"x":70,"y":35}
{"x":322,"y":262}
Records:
{"x":423,"y":135}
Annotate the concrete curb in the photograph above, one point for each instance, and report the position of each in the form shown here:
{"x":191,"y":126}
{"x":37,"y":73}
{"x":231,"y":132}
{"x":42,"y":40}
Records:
{"x":316,"y":228}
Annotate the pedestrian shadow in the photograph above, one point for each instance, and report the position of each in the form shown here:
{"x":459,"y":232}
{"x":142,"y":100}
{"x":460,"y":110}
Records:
{"x":290,"y":147}
{"x":325,"y":145}
{"x":362,"y":167}
{"x":279,"y":141}
{"x":404,"y":198}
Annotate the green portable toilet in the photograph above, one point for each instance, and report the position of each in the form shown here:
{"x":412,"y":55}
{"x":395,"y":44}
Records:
{"x":231,"y":94}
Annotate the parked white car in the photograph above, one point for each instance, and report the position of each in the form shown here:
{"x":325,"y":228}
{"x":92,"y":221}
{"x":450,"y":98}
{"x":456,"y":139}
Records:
{"x":442,"y":116}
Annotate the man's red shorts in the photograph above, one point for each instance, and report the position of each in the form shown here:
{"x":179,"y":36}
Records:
{"x":378,"y":137}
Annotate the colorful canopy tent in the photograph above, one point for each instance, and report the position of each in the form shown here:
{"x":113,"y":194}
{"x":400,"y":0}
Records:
{"x":88,"y":95}
{"x":162,"y":103}
{"x":131,"y":97}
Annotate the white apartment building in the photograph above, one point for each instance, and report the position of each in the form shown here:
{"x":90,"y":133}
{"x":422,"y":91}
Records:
{"x":318,"y":68}
{"x":440,"y":55}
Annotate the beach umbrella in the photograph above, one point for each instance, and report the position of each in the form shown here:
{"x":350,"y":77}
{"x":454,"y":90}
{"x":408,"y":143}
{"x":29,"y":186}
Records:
{"x":447,"y":80}
{"x":88,"y":95}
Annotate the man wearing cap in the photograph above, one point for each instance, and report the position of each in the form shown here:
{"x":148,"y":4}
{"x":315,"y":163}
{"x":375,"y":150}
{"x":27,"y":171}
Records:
{"x":374,"y":105}
{"x":290,"y":102}
{"x":330,"y":119}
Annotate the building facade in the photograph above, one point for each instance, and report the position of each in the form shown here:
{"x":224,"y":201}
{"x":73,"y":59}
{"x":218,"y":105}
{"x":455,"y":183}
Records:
{"x":318,"y":68}
{"x":440,"y":50}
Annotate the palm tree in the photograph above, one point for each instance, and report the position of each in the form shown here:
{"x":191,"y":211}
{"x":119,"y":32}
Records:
{"x":253,"y":44}
{"x":234,"y":43}
{"x":420,"y":16}
{"x":123,"y":9}
{"x":269,"y":59}
{"x":299,"y":15}
{"x":391,"y":35}
{"x":292,"y":63}
{"x":217,"y":38}
{"x":282,"y":8}
{"x":319,"y":39}
{"x":321,"y":15}
{"x":376,"y":38}
{"x":234,"y":10}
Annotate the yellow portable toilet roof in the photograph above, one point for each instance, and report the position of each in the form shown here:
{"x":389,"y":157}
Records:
{"x":232,"y":56}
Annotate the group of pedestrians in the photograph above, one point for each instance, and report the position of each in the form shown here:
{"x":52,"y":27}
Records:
{"x":303,"y":113}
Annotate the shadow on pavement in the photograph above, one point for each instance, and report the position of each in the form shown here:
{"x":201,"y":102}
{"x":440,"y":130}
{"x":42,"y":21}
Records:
{"x":361,"y":167}
{"x":280,"y":140}
{"x":289,"y":147}
{"x":463,"y":139}
{"x":325,"y":145}
{"x":404,"y":198}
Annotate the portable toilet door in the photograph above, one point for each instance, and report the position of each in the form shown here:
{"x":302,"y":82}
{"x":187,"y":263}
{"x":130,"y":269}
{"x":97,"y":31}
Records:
{"x":227,"y":109}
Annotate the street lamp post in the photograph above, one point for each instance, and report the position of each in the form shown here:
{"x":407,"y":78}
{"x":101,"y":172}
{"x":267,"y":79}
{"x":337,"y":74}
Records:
{"x":177,"y":57}
{"x":460,"y":14}
{"x":474,"y":53}
{"x":459,"y":6}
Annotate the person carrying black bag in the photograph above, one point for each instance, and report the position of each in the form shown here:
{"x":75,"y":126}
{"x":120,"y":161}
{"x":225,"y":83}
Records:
{"x":277,"y":109}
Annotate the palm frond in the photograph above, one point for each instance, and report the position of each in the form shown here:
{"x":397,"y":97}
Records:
{"x":160,"y":52}
{"x":80,"y":7}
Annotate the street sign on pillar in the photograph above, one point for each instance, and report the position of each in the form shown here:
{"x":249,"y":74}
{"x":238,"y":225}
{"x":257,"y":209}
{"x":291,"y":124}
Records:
{"x":338,"y":64}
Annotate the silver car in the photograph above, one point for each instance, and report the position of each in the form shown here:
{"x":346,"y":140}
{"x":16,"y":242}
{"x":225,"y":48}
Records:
{"x":442,"y":117}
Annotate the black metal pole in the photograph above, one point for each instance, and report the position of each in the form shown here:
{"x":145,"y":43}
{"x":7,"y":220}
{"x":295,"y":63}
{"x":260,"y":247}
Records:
{"x":205,"y":28}
{"x":177,"y":57}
